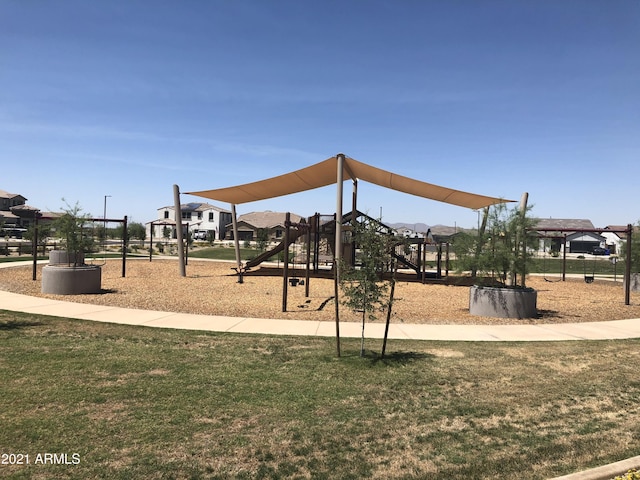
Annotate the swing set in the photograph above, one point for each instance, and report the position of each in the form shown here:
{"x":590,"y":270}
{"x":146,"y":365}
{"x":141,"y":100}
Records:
{"x":588,"y":278}
{"x":104,"y":221}
{"x":544,"y":265}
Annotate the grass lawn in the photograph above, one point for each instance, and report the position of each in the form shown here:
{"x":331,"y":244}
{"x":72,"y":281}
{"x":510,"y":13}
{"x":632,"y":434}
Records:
{"x":598,"y":265}
{"x":137,"y":402}
{"x":224,"y":253}
{"x":549,"y":265}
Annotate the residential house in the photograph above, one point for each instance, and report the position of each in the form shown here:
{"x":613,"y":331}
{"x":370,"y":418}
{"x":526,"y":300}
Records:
{"x":205,"y":221}
{"x":252,"y":225}
{"x":615,"y":240}
{"x":408,"y":232}
{"x":15,"y":214}
{"x":577,"y":240}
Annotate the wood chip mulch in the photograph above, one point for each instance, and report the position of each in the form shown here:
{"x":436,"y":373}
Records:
{"x":211,"y":288}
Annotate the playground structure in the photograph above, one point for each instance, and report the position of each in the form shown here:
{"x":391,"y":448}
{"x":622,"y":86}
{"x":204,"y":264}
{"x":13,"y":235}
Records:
{"x":334,"y":170}
{"x":313,"y":242}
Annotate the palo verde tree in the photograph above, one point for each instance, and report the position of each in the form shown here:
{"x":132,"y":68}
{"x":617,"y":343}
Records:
{"x":635,"y":250}
{"x":69,"y":227}
{"x":498,"y":251}
{"x":363,"y":285}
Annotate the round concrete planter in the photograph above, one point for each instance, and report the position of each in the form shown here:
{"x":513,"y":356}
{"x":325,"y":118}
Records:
{"x":503,"y":302}
{"x":73,"y":280}
{"x":63,"y":257}
{"x":634,"y":284}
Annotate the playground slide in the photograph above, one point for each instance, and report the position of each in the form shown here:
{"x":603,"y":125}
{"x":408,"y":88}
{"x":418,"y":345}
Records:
{"x":254,"y":262}
{"x":406,"y":262}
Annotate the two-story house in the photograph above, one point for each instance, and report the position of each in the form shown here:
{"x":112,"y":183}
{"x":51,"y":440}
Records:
{"x":15,"y":215}
{"x":205,"y":221}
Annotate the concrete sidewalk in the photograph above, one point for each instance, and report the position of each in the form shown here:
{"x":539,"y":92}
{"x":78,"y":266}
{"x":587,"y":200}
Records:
{"x":609,"y":330}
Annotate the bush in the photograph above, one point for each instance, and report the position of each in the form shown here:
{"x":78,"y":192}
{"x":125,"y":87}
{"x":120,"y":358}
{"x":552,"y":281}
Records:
{"x":632,"y":474}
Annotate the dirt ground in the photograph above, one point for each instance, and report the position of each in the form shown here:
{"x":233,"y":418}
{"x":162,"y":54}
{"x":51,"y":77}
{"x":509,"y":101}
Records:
{"x":212,"y":288}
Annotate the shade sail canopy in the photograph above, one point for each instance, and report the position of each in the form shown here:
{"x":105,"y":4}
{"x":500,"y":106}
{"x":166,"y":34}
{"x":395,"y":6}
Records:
{"x":325,"y":173}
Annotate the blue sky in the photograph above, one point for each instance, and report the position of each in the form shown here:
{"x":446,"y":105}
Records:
{"x":127,"y":98}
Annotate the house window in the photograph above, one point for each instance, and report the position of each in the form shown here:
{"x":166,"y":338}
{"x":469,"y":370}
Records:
{"x":211,"y":216}
{"x":199,"y":215}
{"x":186,"y":215}
{"x":166,"y":214}
{"x":278,"y":233}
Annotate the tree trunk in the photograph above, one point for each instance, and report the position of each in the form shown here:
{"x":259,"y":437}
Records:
{"x":389,"y":307}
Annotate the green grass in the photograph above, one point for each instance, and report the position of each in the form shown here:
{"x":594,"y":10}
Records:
{"x":139,"y":402}
{"x":20,"y":258}
{"x":89,"y":256}
{"x":599,"y":265}
{"x":224,"y":253}
{"x":550,"y":265}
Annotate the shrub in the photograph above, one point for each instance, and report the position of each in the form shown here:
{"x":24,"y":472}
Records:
{"x":632,"y":474}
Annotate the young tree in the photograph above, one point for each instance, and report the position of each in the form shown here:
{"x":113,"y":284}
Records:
{"x":635,"y":250}
{"x":364,"y":287}
{"x":499,"y":251}
{"x":262,"y":237}
{"x":137,"y":231}
{"x":70,"y":229}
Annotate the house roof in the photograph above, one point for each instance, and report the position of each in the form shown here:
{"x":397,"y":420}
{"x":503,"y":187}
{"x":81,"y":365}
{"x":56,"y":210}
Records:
{"x":5,"y":194}
{"x":267,"y":219}
{"x":325,"y":173}
{"x":564,"y":224}
{"x":619,"y":233}
{"x":196,"y":207}
{"x":444,"y":231}
{"x":8,"y":215}
{"x":24,"y":208}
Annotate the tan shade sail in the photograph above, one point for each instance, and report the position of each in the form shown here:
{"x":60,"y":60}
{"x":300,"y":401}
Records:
{"x":325,"y":173}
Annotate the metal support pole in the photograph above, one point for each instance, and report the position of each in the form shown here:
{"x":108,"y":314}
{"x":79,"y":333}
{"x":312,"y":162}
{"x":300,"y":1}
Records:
{"x":285,"y":269}
{"x":234,"y":220}
{"x":338,"y":243}
{"x":151,"y":241}
{"x":447,"y":260}
{"x":316,"y":243}
{"x":180,"y":239}
{"x":308,"y":243}
{"x":627,"y":267}
{"x":564,"y":258}
{"x":339,"y":183}
{"x":186,"y":249}
{"x":423,"y":259}
{"x":35,"y":246}
{"x":125,"y":244}
{"x":354,"y":209}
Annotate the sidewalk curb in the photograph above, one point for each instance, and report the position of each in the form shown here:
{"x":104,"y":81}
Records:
{"x":605,"y":472}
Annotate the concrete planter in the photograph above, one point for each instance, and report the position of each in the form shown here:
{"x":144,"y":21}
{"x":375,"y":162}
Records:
{"x":63,"y":277}
{"x":63,"y":257}
{"x":63,"y":280}
{"x":503,"y":302}
{"x":634,"y":284}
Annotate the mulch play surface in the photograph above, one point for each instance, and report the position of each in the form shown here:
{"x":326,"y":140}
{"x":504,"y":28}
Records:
{"x":211,"y":288}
